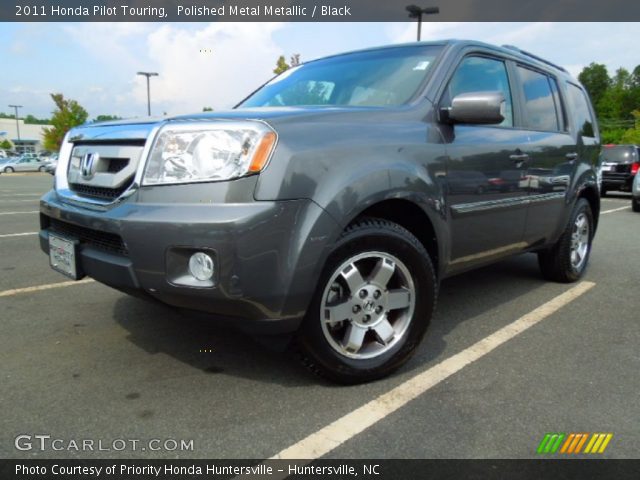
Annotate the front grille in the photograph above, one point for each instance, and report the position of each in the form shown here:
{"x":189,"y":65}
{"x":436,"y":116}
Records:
{"x":100,"y":193}
{"x":109,"y":242}
{"x":102,"y":172}
{"x":117,"y":164}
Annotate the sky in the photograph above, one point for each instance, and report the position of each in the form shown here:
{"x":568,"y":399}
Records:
{"x":217,"y":64}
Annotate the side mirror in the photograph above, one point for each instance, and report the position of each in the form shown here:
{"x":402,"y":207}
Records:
{"x":476,"y":108}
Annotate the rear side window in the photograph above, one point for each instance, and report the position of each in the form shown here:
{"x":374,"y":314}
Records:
{"x":481,"y":74}
{"x":540,"y":112}
{"x":581,"y":113}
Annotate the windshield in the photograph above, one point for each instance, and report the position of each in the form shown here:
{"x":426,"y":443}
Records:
{"x":376,"y":78}
{"x":620,"y":154}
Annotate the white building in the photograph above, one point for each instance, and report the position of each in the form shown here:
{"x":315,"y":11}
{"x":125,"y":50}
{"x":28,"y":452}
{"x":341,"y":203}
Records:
{"x":28,"y":140}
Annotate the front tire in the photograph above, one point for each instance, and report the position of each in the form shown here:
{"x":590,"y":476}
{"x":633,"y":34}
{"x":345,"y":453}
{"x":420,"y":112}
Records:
{"x":567,"y":260}
{"x":41,"y":169}
{"x":372,"y":306}
{"x":8,"y":170}
{"x":635,"y":204}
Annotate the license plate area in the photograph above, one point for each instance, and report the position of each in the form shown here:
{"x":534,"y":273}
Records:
{"x":63,"y":256}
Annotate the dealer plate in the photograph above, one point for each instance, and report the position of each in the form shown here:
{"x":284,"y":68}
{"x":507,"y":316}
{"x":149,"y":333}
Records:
{"x":63,"y":256}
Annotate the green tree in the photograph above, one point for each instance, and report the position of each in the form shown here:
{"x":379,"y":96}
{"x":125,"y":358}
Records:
{"x":207,"y":109}
{"x":633,"y":134}
{"x":595,"y":79}
{"x":6,"y":145}
{"x":105,"y":118}
{"x":615,"y":99}
{"x":611,"y":135}
{"x":68,"y":114}
{"x":281,"y":66}
{"x":30,"y":119}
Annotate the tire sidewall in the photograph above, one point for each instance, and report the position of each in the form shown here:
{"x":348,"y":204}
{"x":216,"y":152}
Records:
{"x":414,"y":256}
{"x":582,"y":206}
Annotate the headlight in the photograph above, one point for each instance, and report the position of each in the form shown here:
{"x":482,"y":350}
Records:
{"x":186,"y":153}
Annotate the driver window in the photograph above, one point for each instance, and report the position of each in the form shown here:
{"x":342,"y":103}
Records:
{"x":482,"y":74}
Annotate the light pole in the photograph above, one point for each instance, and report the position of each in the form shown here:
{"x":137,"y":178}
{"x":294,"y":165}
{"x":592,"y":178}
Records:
{"x":148,"y":74}
{"x":417,"y":12}
{"x":16,"y":107}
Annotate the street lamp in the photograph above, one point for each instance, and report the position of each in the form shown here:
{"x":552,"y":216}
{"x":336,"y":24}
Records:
{"x":16,"y":107}
{"x":417,"y":12}
{"x":148,"y":74}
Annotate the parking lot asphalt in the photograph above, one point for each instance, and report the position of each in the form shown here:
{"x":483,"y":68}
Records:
{"x":83,"y":361}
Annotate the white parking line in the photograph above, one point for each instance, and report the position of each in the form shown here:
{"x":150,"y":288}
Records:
{"x":8,"y":235}
{"x":18,"y":213}
{"x":333,"y":435}
{"x":37,"y":288}
{"x":615,"y":210}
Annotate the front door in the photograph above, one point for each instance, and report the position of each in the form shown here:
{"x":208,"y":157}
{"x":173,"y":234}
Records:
{"x":486,"y":171}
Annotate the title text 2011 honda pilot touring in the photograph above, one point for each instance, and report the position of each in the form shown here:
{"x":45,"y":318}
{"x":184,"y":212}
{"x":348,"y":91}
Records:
{"x":333,"y":200}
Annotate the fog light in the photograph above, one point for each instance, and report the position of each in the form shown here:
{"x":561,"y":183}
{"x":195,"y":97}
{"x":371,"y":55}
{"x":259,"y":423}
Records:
{"x":201,"y":266}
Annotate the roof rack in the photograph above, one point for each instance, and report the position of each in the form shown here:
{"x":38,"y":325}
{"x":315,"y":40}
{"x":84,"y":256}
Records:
{"x":535,"y":57}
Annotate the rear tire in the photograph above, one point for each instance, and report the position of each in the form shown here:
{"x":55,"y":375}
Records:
{"x":635,"y":204}
{"x":8,"y":170}
{"x":372,"y":306}
{"x":567,"y":260}
{"x":603,"y":192}
{"x":41,"y":169}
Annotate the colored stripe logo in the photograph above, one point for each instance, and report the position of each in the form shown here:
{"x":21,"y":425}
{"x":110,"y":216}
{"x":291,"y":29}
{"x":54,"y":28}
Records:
{"x":573,"y":443}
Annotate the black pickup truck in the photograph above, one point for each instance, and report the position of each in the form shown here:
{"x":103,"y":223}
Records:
{"x":330,"y":203}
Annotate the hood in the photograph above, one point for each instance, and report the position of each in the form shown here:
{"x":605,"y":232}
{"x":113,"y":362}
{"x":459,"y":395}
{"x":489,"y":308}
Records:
{"x":140,"y":128}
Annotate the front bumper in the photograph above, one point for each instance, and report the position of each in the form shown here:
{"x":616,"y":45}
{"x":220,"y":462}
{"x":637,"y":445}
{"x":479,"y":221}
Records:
{"x":268,"y":254}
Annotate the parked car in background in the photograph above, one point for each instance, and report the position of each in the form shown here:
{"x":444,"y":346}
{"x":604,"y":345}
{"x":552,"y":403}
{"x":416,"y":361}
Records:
{"x":24,"y":163}
{"x":635,"y":194}
{"x":3,"y":154}
{"x":620,"y":164}
{"x":52,"y":163}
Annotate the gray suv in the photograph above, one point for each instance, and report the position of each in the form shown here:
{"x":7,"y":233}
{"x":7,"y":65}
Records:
{"x":330,"y":203}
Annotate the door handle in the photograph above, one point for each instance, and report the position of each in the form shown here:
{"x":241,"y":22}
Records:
{"x":571,"y":156}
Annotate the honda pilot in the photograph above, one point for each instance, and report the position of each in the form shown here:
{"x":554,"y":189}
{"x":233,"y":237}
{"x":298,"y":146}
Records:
{"x":331,"y":203}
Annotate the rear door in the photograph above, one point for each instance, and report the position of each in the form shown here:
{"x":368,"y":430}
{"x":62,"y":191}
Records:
{"x":552,"y":154}
{"x":486,"y":191}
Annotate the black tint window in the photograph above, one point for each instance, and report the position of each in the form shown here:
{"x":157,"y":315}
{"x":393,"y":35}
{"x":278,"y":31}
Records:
{"x":581,"y":113}
{"x":539,"y":105}
{"x":562,"y":122}
{"x":480,"y":74}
